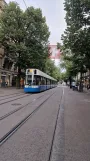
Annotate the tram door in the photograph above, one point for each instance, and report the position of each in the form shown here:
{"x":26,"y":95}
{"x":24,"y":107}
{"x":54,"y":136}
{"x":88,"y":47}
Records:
{"x":3,"y":81}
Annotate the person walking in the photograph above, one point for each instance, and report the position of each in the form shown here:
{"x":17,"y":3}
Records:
{"x":73,"y":85}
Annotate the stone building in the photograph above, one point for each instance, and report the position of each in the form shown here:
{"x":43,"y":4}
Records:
{"x":7,"y":71}
{"x":2,"y":4}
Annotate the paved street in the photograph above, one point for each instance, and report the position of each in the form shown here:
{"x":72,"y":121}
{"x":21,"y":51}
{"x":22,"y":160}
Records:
{"x":77,"y":126}
{"x":57,"y":129}
{"x":9,"y":91}
{"x":44,"y":49}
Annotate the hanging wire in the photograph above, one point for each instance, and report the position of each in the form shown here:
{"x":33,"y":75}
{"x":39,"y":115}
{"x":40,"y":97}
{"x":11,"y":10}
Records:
{"x":25,"y":3}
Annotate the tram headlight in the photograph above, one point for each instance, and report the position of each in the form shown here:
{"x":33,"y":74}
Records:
{"x":26,"y":86}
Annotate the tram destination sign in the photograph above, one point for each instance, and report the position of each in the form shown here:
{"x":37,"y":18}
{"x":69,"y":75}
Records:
{"x":29,"y":71}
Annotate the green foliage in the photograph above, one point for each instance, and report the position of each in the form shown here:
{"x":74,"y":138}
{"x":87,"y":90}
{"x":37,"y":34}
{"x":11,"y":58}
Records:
{"x":63,"y":76}
{"x":52,"y":70}
{"x":12,"y":33}
{"x":59,"y":46}
{"x":57,"y":73}
{"x":76,"y":37}
{"x":36,"y":37}
{"x":24,"y":36}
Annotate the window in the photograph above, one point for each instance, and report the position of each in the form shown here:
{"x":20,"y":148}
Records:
{"x":29,"y":79}
{"x":37,"y":80}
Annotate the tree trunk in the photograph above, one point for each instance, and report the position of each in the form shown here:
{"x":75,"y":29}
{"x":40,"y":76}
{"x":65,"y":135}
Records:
{"x":19,"y":71}
{"x":70,"y":80}
{"x":81,"y":85}
{"x":89,"y":78}
{"x":19,"y":76}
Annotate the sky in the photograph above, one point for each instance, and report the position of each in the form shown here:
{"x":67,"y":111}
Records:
{"x":53,"y":10}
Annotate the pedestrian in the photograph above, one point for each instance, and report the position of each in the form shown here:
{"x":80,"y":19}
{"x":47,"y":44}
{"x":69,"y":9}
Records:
{"x":73,"y":85}
{"x":6,"y":83}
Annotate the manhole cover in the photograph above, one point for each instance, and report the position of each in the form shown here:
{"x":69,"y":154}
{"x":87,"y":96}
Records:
{"x":16,"y":104}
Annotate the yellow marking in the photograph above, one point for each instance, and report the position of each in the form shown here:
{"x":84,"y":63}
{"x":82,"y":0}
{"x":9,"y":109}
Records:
{"x":31,"y":70}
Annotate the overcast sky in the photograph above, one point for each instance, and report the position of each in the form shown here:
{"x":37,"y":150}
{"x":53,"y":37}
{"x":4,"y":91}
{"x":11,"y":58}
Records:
{"x":53,"y":10}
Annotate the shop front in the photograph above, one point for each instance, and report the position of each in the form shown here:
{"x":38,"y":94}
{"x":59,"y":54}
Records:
{"x":6,"y":78}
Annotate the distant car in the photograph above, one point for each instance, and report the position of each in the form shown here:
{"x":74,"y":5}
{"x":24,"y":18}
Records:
{"x":74,"y":86}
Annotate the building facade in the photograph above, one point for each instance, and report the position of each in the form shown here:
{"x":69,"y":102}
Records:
{"x":7,"y":71}
{"x":85,"y":78}
{"x":55,"y":54}
{"x":2,"y":4}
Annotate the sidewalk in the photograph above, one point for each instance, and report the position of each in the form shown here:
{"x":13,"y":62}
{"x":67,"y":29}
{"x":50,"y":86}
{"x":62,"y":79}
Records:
{"x":9,"y":90}
{"x":77,"y":125}
{"x":86,"y":91}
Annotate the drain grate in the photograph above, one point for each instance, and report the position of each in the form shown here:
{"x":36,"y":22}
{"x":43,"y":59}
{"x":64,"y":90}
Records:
{"x":16,"y":104}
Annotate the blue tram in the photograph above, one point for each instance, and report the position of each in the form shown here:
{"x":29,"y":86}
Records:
{"x":37,"y":81}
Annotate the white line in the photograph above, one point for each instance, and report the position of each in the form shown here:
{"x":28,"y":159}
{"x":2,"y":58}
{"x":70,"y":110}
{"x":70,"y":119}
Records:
{"x":34,"y":100}
{"x":63,"y":91}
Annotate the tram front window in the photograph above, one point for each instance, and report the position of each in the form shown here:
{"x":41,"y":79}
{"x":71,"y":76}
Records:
{"x":29,"y":79}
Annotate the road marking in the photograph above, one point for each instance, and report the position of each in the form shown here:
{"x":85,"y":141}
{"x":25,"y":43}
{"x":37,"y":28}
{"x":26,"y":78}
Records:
{"x":34,"y":100}
{"x":86,"y":100}
{"x":63,"y":91}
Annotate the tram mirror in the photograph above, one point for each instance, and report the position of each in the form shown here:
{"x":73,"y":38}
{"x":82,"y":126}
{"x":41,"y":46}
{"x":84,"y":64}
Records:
{"x":35,"y":72}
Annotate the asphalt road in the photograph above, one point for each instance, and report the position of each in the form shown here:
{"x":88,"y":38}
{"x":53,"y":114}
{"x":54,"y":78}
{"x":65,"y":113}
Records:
{"x":58,"y":131}
{"x":33,"y":140}
{"x":18,"y":115}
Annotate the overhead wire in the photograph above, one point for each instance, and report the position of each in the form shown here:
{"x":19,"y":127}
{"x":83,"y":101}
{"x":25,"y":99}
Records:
{"x":25,"y":4}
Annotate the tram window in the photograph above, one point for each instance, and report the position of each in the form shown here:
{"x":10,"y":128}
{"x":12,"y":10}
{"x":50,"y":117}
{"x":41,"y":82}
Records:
{"x":43,"y":81}
{"x":37,"y":80}
{"x":48,"y":82}
{"x":29,"y":79}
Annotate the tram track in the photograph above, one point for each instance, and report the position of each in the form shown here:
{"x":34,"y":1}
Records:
{"x":21,"y":107}
{"x":9,"y":96}
{"x":16,"y":127}
{"x":24,"y":95}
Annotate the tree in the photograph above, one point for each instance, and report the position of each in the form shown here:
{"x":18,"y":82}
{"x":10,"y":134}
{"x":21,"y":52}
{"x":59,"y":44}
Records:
{"x":12,"y":34}
{"x":57,"y":73}
{"x":24,"y":36}
{"x":77,"y":20}
{"x":36,"y":37}
{"x":52,"y":70}
{"x":77,"y":35}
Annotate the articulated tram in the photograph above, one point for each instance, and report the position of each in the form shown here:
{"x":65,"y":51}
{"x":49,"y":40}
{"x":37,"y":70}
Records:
{"x":37,"y":81}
